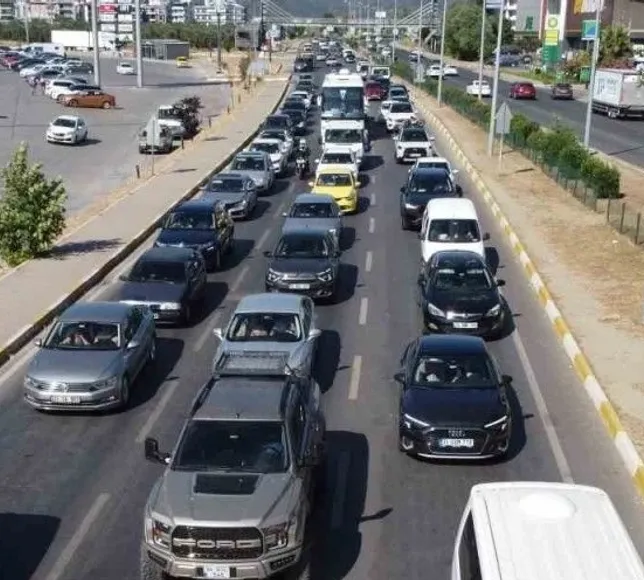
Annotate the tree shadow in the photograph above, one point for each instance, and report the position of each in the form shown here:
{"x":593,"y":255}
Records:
{"x":215,"y":295}
{"x":184,"y":170}
{"x":24,"y":543}
{"x":363,"y":205}
{"x":68,"y":249}
{"x":260,"y":209}
{"x":327,"y":359}
{"x":373,"y":162}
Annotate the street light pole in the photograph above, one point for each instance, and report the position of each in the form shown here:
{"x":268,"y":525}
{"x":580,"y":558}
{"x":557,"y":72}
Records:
{"x":419,"y":63}
{"x":139,"y":44}
{"x":439,"y":94}
{"x":495,"y":88}
{"x":394,"y":32}
{"x":482,"y":48}
{"x":593,"y":71}
{"x":218,"y":39}
{"x":26,"y":16}
{"x":97,"y":60}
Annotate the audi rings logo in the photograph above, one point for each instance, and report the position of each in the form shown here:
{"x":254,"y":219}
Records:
{"x":218,"y":544}
{"x":456,"y":433}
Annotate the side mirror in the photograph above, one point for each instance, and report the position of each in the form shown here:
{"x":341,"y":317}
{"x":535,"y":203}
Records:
{"x":314,"y":333}
{"x":506,"y":380}
{"x":319,"y":140}
{"x":133,"y":344}
{"x":455,"y":172}
{"x":268,"y":254}
{"x":399,"y":377}
{"x":38,"y":342}
{"x":218,"y":332}
{"x":486,"y":237}
{"x":500,"y":283}
{"x":311,"y":184}
{"x":432,"y":139}
{"x":421,"y":280}
{"x":285,"y":214}
{"x":152,"y":452}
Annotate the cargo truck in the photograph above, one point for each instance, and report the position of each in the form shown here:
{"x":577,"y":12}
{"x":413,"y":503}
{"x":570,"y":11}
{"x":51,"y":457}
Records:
{"x":618,"y":93}
{"x":79,"y":39}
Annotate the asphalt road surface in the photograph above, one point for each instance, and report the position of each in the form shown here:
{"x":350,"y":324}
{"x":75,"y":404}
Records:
{"x":109,"y":157}
{"x":73,"y":488}
{"x":623,"y":139}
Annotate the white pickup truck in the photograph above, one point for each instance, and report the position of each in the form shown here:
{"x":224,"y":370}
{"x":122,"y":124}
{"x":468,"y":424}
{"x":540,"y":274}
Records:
{"x":475,"y":89}
{"x":338,"y":155}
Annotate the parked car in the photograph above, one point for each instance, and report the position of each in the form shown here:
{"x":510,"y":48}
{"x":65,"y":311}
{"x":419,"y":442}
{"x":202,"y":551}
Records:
{"x":160,"y":141}
{"x":523,"y":90}
{"x":67,"y":129}
{"x":562,"y":91}
{"x":95,"y":99}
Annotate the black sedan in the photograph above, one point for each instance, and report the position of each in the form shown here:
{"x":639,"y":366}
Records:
{"x":422,"y":185}
{"x":298,"y":118}
{"x":235,"y":191}
{"x":305,"y":261}
{"x":170,"y":281}
{"x":458,"y":294}
{"x":453,"y":401}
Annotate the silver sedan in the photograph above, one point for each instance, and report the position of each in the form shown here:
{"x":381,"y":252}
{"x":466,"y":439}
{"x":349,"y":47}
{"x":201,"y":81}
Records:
{"x":91,"y":357}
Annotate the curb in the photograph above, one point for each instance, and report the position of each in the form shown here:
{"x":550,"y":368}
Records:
{"x":622,"y":441}
{"x":28,"y":332}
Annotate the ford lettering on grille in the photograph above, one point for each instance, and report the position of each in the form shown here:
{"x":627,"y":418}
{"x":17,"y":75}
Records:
{"x":219,"y":544}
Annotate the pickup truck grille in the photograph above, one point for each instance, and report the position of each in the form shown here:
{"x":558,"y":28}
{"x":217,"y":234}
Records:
{"x":217,"y":543}
{"x":422,"y":151}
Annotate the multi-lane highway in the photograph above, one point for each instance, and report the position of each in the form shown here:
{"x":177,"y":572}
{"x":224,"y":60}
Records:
{"x":73,"y":488}
{"x":623,"y":139}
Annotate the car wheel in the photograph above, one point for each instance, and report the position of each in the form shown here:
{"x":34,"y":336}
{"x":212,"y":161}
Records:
{"x":73,"y":103}
{"x":404,"y":223}
{"x":217,"y":260}
{"x":107,"y":105}
{"x":186,"y":314}
{"x":125,"y":392}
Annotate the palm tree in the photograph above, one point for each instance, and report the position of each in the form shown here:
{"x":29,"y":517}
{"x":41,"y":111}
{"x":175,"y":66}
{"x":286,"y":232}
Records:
{"x":615,"y":47}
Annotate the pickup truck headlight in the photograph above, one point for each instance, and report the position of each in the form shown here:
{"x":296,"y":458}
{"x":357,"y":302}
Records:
{"x":326,"y":276}
{"x":170,"y":306}
{"x":159,"y":533}
{"x":276,"y":537}
{"x":434,"y":311}
{"x":273,"y":276}
{"x":494,"y":311}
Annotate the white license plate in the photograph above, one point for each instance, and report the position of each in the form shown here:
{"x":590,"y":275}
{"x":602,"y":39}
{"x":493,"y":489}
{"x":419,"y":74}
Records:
{"x":466,"y":325}
{"x":156,"y":316}
{"x":300,"y":286}
{"x":415,"y":155}
{"x":216,"y":571}
{"x":65,"y":400}
{"x":455,"y":443}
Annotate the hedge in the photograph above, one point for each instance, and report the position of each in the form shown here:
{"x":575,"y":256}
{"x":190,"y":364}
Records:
{"x":556,"y":149}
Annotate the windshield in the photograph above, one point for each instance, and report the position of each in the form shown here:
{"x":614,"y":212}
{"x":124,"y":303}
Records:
{"x":380,"y":71}
{"x":167,"y":114}
{"x":248,"y":164}
{"x":430,"y":185}
{"x":401,"y":108}
{"x":302,"y":247}
{"x":253,"y":447}
{"x":84,"y":336}
{"x":347,"y":136}
{"x":273,"y":135}
{"x":267,"y":147}
{"x":334,"y":180}
{"x":71,"y":123}
{"x":276,"y":122}
{"x":226,"y":185}
{"x":454,"y":371}
{"x":343,"y":102}
{"x":339,"y":158}
{"x":374,"y":87}
{"x":462,"y":279}
{"x":265,"y":327}
{"x":190,"y":220}
{"x":463,"y":231}
{"x":312,"y":210}
{"x":433,"y":165}
{"x":149,"y":271}
{"x":414,"y":135}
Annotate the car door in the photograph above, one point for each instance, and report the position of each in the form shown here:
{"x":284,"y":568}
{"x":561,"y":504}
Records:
{"x":82,"y":129}
{"x":132,"y":334}
{"x":222,"y":227}
{"x":306,"y":319}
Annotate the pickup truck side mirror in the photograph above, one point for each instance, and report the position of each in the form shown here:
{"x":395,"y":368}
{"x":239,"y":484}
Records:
{"x":38,"y":342}
{"x":500,"y":283}
{"x":314,"y":333}
{"x":402,"y":189}
{"x":506,"y":380}
{"x":152,"y":452}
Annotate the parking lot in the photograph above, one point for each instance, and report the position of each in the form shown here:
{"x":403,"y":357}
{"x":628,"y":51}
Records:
{"x":108,"y":158}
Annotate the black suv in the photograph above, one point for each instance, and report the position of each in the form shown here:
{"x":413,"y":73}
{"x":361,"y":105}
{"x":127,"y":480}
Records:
{"x":200,"y":224}
{"x":302,"y":65}
{"x":305,"y":261}
{"x":422,"y":185}
{"x":453,"y":401}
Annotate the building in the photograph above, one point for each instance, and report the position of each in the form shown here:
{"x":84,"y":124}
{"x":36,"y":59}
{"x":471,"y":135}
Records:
{"x":510,"y":12}
{"x":165,"y":49}
{"x":526,"y":16}
{"x":156,"y":11}
{"x":179,"y":12}
{"x":232,"y":12}
{"x":7,"y":10}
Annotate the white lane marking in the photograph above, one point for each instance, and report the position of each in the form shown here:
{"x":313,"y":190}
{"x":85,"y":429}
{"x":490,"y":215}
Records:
{"x":280,"y":210}
{"x":542,"y":408}
{"x":262,"y":240}
{"x":74,"y":543}
{"x":339,"y":497}
{"x":240,"y":278}
{"x":364,"y":309}
{"x":14,"y":367}
{"x":372,"y":199}
{"x":372,"y":225}
{"x":368,"y":262}
{"x":161,"y":405}
{"x":354,"y":382}
{"x":207,"y":331}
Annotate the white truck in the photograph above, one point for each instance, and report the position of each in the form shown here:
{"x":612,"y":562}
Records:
{"x":350,"y":136}
{"x":342,"y":98}
{"x":79,"y":39}
{"x":618,"y":93}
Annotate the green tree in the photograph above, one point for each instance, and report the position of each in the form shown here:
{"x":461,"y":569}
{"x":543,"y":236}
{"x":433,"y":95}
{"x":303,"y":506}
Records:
{"x":615,"y":47}
{"x":32,"y":209}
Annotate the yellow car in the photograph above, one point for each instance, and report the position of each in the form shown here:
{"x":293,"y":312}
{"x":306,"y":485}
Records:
{"x":182,"y":62}
{"x":339,"y":182}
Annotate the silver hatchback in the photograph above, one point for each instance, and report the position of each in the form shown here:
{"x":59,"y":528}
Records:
{"x":91,"y":357}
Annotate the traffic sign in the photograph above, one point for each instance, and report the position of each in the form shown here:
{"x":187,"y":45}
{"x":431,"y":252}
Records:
{"x":493,"y":4}
{"x":588,"y":29}
{"x":550,"y":54}
{"x":503,"y":120}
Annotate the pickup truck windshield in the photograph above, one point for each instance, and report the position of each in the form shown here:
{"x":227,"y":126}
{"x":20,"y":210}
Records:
{"x":265,"y":327}
{"x":233,"y":446}
{"x":346,"y":136}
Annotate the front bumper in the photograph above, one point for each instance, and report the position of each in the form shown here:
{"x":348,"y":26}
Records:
{"x":75,"y":401}
{"x":454,"y":443}
{"x":311,"y":288}
{"x":265,"y":567}
{"x":483,"y":326}
{"x":414,"y":217}
{"x":238,"y":212}
{"x":68,"y":138}
{"x":413,"y":153}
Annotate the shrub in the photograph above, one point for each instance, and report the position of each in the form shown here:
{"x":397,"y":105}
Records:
{"x":556,"y":140}
{"x":602,"y":178}
{"x":243,"y":66}
{"x":32,"y":210}
{"x":521,"y":128}
{"x":571,"y":159}
{"x":403,"y":70}
{"x":536,"y":144}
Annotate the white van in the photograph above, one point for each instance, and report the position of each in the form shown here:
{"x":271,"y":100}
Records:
{"x":538,"y":530}
{"x":380,"y":71}
{"x":450,"y":223}
{"x":37,"y":48}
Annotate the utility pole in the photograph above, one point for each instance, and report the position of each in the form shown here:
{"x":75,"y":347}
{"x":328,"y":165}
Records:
{"x":139,"y":43}
{"x":27,"y":15}
{"x":439,"y":94}
{"x":495,"y":88}
{"x":419,"y":59}
{"x":394,"y":32}
{"x":97,"y":58}
{"x":219,"y":36}
{"x":593,"y":71}
{"x":482,"y":48}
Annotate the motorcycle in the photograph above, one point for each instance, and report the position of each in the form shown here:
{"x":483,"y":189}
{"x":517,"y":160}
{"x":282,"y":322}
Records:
{"x":301,"y":167}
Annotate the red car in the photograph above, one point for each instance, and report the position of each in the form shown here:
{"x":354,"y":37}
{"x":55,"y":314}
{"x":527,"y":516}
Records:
{"x":523,"y":91}
{"x":8,"y":58}
{"x":374,"y":92}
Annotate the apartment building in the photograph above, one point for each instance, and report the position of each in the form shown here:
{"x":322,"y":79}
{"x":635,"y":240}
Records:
{"x":205,"y":11}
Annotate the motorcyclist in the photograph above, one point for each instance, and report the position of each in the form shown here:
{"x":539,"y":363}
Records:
{"x":302,"y":155}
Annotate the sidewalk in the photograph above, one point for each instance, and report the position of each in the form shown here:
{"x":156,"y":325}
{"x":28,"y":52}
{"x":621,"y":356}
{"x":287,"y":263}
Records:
{"x":33,"y":293}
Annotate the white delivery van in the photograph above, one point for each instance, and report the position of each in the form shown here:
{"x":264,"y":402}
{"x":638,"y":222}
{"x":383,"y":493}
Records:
{"x":380,"y":71}
{"x":542,"y":531}
{"x":450,"y":223}
{"x":36,"y":48}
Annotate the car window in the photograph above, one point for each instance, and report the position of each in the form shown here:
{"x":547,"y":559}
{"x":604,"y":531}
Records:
{"x":335,"y":180}
{"x":464,"y":231}
{"x":296,"y":425}
{"x":265,"y":327}
{"x":84,"y":335}
{"x":248,"y":164}
{"x":401,"y":108}
{"x":454,"y":371}
{"x":434,"y":165}
{"x":307,"y":320}
{"x":343,"y":136}
{"x":414,"y":135}
{"x":455,"y":280}
{"x":133,"y":324}
{"x":161,"y":271}
{"x":267,"y":147}
{"x":294,"y":246}
{"x":226,"y":184}
{"x":337,"y":158}
{"x":430,"y":184}
{"x":190,"y":220}
{"x":312,"y":210}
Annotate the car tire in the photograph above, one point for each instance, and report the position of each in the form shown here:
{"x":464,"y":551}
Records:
{"x":404,"y":223}
{"x":125,"y":392}
{"x":150,"y":570}
{"x":186,"y":314}
{"x":217,"y":260}
{"x":73,"y":103}
{"x":106,"y":105}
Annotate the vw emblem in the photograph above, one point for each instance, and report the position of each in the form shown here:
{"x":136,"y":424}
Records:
{"x":64,"y":387}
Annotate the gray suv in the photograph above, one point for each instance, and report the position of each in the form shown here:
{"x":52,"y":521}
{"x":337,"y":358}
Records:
{"x":239,"y":487}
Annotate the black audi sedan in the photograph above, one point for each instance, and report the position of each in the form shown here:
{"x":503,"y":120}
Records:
{"x":422,"y":185}
{"x":459,"y":294}
{"x":200,"y":224}
{"x":170,"y":281}
{"x":453,"y":400}
{"x":305,"y":261}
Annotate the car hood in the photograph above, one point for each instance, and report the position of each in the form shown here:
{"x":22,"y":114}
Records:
{"x":351,"y":147}
{"x":460,"y":407}
{"x":74,"y":366}
{"x":300,"y":265}
{"x":225,"y":197}
{"x":479,"y":302}
{"x":185,"y":237}
{"x":296,"y":224}
{"x":335,"y":192}
{"x":148,"y":292}
{"x":256,"y":176}
{"x":246,"y":500}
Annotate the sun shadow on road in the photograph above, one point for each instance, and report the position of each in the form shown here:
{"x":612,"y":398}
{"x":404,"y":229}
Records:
{"x":68,"y":249}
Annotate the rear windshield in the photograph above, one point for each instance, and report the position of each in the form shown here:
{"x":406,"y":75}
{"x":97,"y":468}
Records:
{"x":455,"y":231}
{"x":334,"y":180}
{"x":312,"y":210}
{"x":401,"y":108}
